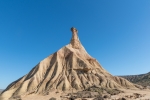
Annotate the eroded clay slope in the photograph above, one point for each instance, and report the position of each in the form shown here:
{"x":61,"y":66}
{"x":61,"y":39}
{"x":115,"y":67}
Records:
{"x":71,"y":67}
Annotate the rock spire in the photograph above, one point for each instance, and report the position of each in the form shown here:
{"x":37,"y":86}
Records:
{"x":71,"y":67}
{"x":75,"y":40}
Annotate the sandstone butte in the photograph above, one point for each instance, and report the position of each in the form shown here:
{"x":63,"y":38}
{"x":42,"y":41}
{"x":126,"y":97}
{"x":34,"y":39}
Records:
{"x":71,"y":67}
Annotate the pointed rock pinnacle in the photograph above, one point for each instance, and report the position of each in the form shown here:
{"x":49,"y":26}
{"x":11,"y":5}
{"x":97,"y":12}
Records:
{"x":70,"y":68}
{"x":75,"y":40}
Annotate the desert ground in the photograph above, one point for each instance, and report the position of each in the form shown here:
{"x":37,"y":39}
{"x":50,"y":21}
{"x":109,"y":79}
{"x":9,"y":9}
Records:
{"x":128,"y":94}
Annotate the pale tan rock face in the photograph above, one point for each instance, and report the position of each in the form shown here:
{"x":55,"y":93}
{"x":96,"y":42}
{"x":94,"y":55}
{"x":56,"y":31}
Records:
{"x":75,"y":40}
{"x":71,"y":67}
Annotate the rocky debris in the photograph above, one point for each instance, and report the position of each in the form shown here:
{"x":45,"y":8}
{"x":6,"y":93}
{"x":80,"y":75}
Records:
{"x":134,"y":96}
{"x":137,"y":95}
{"x":99,"y":98}
{"x":99,"y":90}
{"x":84,"y":94}
{"x":81,"y":95}
{"x":102,"y":90}
{"x":147,"y":87}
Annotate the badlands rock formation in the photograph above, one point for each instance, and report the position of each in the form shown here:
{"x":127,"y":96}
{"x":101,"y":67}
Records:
{"x":71,"y":67}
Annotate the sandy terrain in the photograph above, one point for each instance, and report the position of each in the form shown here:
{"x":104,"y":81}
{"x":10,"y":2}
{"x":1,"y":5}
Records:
{"x":127,"y":95}
{"x":46,"y":97}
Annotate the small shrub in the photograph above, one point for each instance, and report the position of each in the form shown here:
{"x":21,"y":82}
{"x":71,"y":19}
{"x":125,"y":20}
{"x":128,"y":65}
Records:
{"x":71,"y":98}
{"x":106,"y":96}
{"x":99,"y":98}
{"x":112,"y":91}
{"x":52,"y":98}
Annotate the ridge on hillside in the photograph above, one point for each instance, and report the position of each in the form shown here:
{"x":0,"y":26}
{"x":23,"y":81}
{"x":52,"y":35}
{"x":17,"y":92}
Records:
{"x":142,"y":79}
{"x":71,"y":67}
{"x":1,"y":90}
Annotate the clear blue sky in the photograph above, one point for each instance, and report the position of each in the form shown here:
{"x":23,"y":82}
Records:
{"x":115,"y":32}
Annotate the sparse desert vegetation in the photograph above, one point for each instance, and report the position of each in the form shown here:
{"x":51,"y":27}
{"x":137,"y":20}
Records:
{"x":142,"y":79}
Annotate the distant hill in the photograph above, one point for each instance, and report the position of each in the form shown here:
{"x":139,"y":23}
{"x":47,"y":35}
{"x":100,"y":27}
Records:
{"x":142,"y":79}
